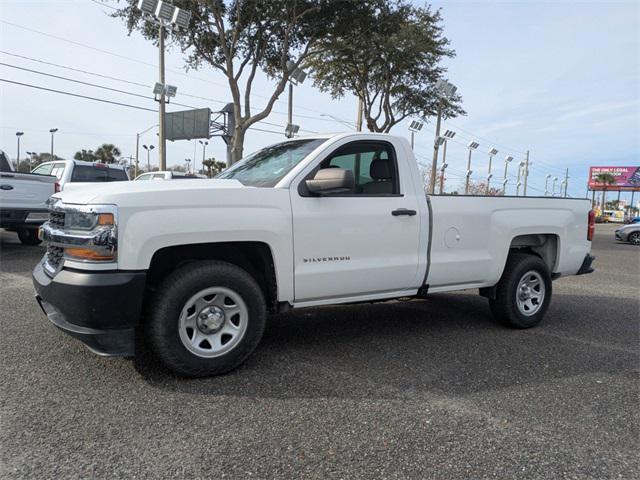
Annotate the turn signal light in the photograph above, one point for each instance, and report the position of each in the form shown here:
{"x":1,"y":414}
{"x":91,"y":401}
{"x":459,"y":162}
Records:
{"x":105,"y":219}
{"x":86,"y":254}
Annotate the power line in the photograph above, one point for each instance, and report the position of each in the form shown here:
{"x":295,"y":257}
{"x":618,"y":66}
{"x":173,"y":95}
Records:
{"x":77,"y":95}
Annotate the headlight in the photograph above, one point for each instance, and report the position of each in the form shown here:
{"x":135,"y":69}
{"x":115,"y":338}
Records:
{"x":77,"y":220}
{"x":85,"y":233}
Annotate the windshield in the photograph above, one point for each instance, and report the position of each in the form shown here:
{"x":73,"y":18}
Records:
{"x":266,"y":167}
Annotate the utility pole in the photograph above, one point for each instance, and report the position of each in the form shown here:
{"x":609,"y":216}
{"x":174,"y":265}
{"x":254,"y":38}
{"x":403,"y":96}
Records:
{"x":412,"y":138}
{"x":434,"y":161}
{"x":162,"y":154}
{"x":289,"y":133}
{"x":204,"y":146}
{"x":566,"y":182}
{"x":526,"y":174}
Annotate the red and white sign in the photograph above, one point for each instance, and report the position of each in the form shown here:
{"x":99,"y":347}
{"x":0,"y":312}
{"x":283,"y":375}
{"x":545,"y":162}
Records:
{"x":627,"y":178}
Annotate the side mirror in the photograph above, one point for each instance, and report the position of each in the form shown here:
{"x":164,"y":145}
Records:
{"x":331,"y":180}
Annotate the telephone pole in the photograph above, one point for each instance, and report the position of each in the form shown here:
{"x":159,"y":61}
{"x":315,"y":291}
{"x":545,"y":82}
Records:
{"x":162,"y":145}
{"x":359,"y":118}
{"x":566,"y":182}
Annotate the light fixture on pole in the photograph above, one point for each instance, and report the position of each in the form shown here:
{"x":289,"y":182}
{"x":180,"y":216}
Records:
{"x":18,"y":135}
{"x":519,"y":183}
{"x":291,"y":129}
{"x":204,"y":144}
{"x":507,"y":160}
{"x":148,"y":149}
{"x":444,"y":90}
{"x":415,"y":126}
{"x":188,"y":161}
{"x":492,"y":153}
{"x":296,"y":77}
{"x":164,"y":15}
{"x":472,"y":146}
{"x":52,"y":131}
{"x":546,"y":184}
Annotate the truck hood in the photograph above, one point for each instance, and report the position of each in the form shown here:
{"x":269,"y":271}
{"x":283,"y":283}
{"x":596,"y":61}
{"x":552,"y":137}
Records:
{"x":141,"y":192}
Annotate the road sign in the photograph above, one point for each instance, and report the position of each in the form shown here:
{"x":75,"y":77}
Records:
{"x":188,"y":124}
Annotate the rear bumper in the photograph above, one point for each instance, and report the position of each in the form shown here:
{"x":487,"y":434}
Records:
{"x":101,"y":309}
{"x":586,"y":265}
{"x":22,"y":218}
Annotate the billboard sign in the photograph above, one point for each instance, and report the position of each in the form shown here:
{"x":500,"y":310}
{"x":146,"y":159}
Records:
{"x":188,"y":124}
{"x":627,"y":178}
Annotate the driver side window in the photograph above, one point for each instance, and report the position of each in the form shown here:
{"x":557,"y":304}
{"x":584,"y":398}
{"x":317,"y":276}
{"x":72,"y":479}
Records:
{"x":373,"y":165}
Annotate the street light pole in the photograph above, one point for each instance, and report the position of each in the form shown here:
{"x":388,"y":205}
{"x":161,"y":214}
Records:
{"x":526,"y":173}
{"x":546,"y":184}
{"x":518,"y":184}
{"x":148,"y":149}
{"x":492,"y":152}
{"x":52,"y":131}
{"x":553,"y":188}
{"x":204,"y":146}
{"x":507,"y":160}
{"x":18,"y":135}
{"x":472,"y":146}
{"x":434,"y":161}
{"x":566,"y":182}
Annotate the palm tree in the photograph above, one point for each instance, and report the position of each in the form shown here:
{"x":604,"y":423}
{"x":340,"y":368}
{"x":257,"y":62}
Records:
{"x":213,"y":166}
{"x":605,"y":179}
{"x":107,"y":153}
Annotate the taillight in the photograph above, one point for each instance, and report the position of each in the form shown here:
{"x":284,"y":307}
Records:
{"x":591,"y":228}
{"x":56,"y":187}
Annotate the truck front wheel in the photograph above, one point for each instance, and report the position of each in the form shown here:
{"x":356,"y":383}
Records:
{"x":29,"y":236}
{"x":523,"y":293}
{"x":205,"y":318}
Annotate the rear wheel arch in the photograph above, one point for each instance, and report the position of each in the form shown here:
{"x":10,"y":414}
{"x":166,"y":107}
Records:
{"x":543,"y":245}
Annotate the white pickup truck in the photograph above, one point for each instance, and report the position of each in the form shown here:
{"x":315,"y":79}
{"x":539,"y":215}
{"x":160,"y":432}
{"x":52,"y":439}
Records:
{"x":193,"y":268}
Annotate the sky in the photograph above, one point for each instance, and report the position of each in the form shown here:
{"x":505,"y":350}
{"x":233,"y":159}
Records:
{"x":558,"y":79}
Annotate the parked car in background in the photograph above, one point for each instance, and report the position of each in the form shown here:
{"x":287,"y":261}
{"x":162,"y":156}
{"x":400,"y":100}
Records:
{"x":77,"y":171}
{"x":168,"y":175}
{"x":23,"y":201}
{"x":629,"y":233}
{"x":634,"y":220}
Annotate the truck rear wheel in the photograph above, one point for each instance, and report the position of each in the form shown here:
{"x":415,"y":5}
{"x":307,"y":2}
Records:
{"x":205,"y":319}
{"x":29,"y":236}
{"x":523,"y":293}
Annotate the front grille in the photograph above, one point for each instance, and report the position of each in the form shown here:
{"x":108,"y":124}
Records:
{"x":56,"y":219}
{"x":54,"y":256}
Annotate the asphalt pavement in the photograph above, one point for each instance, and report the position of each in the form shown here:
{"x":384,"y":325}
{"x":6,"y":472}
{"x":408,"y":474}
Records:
{"x":418,"y":389}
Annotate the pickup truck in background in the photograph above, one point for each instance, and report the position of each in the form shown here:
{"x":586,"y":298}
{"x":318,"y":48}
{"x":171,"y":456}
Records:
{"x":78,"y":171}
{"x":192,"y":269}
{"x":23,"y":201}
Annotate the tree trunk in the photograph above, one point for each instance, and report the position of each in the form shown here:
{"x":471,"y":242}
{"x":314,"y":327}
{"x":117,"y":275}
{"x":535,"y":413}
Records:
{"x":237,"y":144}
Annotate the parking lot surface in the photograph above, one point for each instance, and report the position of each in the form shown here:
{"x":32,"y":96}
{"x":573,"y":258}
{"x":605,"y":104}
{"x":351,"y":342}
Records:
{"x":418,"y":389}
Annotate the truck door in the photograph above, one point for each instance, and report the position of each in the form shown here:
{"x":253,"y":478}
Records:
{"x":359,"y":242}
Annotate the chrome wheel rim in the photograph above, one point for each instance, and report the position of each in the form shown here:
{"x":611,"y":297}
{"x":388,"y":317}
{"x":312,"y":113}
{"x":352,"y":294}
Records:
{"x":634,"y":239}
{"x":213,"y":322}
{"x":530,"y":293}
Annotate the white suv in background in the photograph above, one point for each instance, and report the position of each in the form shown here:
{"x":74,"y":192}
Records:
{"x":168,"y":175}
{"x":77,"y":171}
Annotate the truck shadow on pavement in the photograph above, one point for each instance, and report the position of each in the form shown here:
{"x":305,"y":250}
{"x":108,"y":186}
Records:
{"x":446,"y":345}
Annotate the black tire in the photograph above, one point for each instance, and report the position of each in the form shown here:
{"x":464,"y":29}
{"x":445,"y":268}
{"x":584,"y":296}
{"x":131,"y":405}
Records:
{"x":161,"y":326}
{"x":634,"y":238}
{"x":505,"y":306}
{"x":29,"y":236}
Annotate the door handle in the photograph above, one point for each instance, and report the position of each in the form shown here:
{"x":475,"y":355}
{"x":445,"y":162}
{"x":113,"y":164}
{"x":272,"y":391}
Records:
{"x":403,"y":211}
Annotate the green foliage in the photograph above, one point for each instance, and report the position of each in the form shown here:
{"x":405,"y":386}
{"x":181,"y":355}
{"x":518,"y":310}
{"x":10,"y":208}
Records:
{"x":390,"y":58}
{"x":105,"y":153}
{"x":214,"y":167}
{"x":605,"y":179}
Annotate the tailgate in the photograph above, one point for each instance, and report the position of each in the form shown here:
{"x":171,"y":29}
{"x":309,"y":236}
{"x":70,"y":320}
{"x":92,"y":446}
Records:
{"x":25,"y":191}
